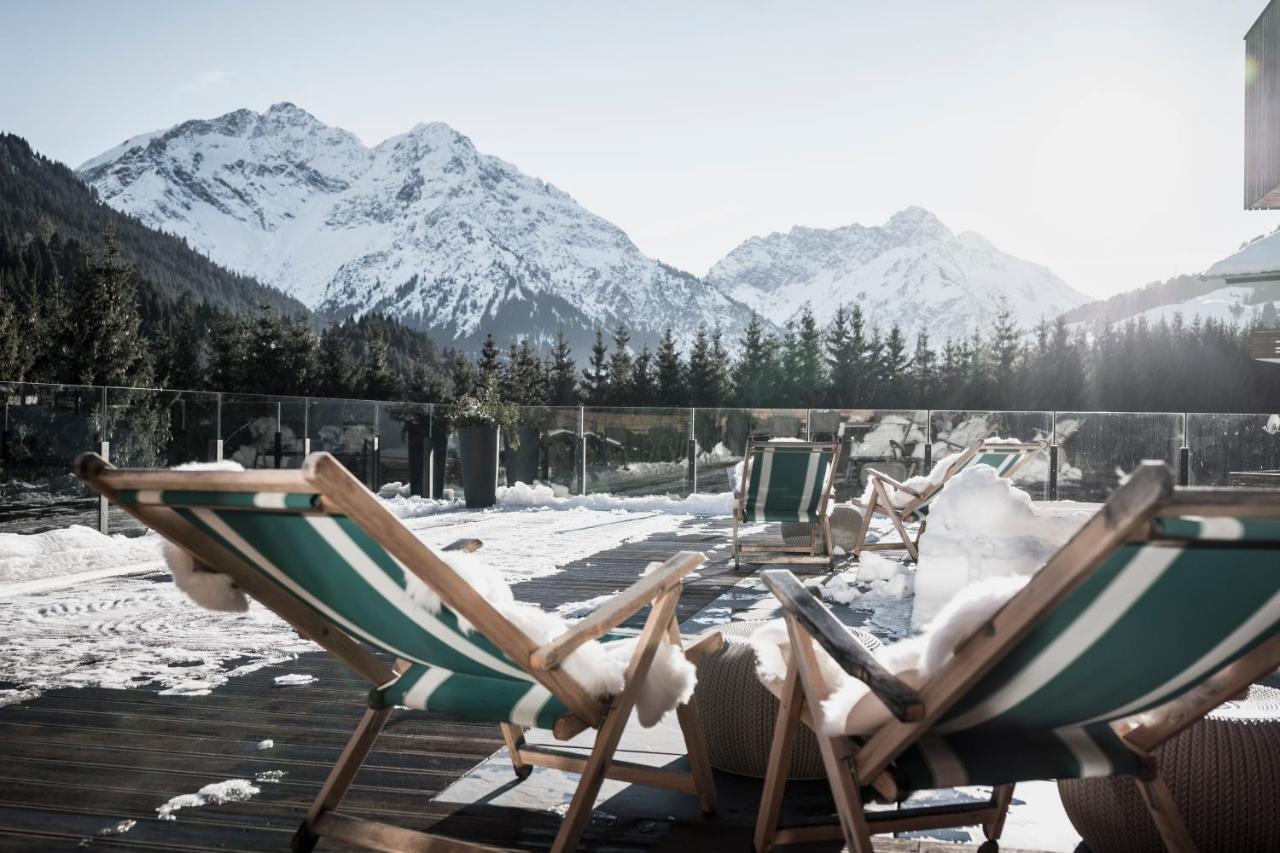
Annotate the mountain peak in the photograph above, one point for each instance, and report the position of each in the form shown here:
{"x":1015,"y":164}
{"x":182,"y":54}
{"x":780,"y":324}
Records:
{"x":916,"y":222}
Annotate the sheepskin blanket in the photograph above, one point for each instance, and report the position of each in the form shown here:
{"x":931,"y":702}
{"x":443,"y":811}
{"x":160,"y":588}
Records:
{"x":599,"y":667}
{"x":850,"y":708}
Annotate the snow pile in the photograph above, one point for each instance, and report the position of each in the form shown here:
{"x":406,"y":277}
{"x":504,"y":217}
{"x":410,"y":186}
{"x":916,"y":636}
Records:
{"x":294,"y":678}
{"x":26,"y":557}
{"x":217,"y":793}
{"x":598,"y":667}
{"x":850,"y":707}
{"x":918,"y":484}
{"x":265,"y":744}
{"x":982,"y":526}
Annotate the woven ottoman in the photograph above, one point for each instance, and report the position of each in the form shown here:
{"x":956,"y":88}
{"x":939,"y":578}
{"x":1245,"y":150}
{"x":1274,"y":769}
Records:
{"x":738,"y":713}
{"x":845,"y":521}
{"x":1224,"y":773}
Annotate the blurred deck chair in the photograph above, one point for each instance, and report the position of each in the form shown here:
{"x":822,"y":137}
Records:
{"x":321,"y":551}
{"x":1006,"y":458}
{"x":786,"y":481}
{"x":1163,"y":606}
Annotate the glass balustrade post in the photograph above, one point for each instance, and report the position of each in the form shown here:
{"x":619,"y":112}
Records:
{"x":691,"y":475}
{"x":1184,"y":457}
{"x":582,"y":448}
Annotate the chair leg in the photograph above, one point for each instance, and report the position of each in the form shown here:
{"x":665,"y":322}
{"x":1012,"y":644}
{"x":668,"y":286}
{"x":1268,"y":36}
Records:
{"x":775,"y":780}
{"x":1164,"y":813}
{"x":694,"y":743}
{"x":868,"y":511}
{"x":615,"y":720}
{"x":897,"y":522}
{"x":341,"y":776}
{"x":844,"y":788}
{"x":1001,"y":796}
{"x":513,"y":735}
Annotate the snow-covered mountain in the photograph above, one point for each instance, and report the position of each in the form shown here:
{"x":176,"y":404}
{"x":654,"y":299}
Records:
{"x":421,"y":226}
{"x":911,"y":271}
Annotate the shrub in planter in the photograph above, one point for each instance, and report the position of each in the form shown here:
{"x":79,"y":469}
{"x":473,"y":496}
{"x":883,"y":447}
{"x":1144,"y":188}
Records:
{"x":476,"y":419}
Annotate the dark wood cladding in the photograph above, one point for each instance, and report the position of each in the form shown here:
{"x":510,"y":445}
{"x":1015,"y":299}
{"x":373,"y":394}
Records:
{"x":1262,"y":111}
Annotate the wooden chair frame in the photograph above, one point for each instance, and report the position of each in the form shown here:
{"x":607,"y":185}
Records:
{"x":784,"y":553}
{"x":881,"y":503}
{"x":854,"y":765}
{"x":340,"y":492}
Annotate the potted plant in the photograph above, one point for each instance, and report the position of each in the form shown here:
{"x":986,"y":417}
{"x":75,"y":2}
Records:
{"x":475,"y":419}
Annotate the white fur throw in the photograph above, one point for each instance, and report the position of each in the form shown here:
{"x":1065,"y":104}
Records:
{"x":210,"y":589}
{"x":850,"y":708}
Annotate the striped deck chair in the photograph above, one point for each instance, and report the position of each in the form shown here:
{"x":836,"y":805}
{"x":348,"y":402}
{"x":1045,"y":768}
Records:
{"x":1163,"y":606}
{"x":319,"y":549}
{"x":787,"y":481}
{"x":1005,"y":458}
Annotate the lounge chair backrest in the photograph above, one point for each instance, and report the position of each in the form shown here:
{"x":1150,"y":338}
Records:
{"x":788,"y":481}
{"x":1158,"y":617}
{"x":337,"y":569}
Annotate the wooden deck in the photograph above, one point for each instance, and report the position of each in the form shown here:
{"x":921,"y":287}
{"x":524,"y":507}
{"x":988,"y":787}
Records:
{"x":74,"y":763}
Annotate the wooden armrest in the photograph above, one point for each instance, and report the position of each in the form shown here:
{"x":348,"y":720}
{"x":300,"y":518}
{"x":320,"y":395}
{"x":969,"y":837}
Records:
{"x":618,"y":609}
{"x":892,"y":482}
{"x":799,"y":604}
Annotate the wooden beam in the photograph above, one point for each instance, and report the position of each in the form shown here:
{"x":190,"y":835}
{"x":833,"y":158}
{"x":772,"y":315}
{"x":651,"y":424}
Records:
{"x":902,"y":701}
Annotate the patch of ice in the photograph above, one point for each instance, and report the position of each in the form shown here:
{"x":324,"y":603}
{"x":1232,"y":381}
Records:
{"x":265,"y":744}
{"x":230,"y":791}
{"x":269,"y":776}
{"x":294,"y":678}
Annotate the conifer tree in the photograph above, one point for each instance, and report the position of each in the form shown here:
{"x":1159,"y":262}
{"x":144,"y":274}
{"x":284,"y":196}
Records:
{"x":642,"y":379}
{"x":752,"y":375}
{"x":702,"y":382}
{"x":894,"y":367}
{"x":924,"y":380}
{"x":621,"y":392}
{"x":670,"y":373}
{"x":462,"y":376}
{"x":490,"y":360}
{"x":523,"y":378}
{"x":595,"y":377}
{"x":842,"y":360}
{"x":336,"y":369}
{"x":109,"y":348}
{"x":182,"y":350}
{"x":379,"y":382}
{"x":562,"y":374}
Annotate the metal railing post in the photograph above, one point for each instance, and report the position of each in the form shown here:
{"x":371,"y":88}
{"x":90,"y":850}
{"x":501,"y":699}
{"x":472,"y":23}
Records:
{"x":582,"y":448}
{"x":1053,"y":472}
{"x":691,"y":466}
{"x":928,"y":440}
{"x":104,"y":450}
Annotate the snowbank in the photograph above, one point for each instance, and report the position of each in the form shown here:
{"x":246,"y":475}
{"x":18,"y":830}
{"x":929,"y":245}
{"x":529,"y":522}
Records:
{"x":982,"y":526}
{"x":26,"y":557}
{"x":523,"y":496}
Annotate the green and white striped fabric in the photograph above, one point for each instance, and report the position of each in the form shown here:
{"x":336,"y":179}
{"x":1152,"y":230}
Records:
{"x":1152,"y":622}
{"x":332,"y":566}
{"x":786,"y":483}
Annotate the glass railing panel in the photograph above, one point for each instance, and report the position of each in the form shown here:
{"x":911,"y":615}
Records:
{"x":1234,"y":449}
{"x":951,"y":431}
{"x":889,"y":440}
{"x":637,"y":451}
{"x":1096,"y":449}
{"x":345,"y":428}
{"x":404,"y":432}
{"x":721,"y":436}
{"x":261,"y":431}
{"x":549,"y":451}
{"x":44,"y":428}
{"x":158,"y":429}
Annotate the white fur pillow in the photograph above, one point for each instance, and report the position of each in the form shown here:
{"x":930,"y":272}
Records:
{"x":208,"y":588}
{"x":850,"y":708}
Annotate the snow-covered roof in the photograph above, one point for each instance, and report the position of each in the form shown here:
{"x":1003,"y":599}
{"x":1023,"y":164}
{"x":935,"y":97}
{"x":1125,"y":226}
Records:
{"x":1258,"y":261}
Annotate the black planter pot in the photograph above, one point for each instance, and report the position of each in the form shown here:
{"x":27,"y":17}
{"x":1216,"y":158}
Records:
{"x":522,"y":463}
{"x":478,"y":448}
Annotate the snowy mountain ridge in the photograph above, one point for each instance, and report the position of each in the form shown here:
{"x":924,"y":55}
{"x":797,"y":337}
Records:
{"x":912,"y":271}
{"x":421,"y":226}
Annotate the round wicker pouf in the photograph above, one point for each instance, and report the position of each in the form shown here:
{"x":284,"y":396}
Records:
{"x":1224,"y":773}
{"x":738,"y":713}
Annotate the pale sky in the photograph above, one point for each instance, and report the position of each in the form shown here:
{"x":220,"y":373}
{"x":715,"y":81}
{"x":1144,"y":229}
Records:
{"x":1102,"y":139}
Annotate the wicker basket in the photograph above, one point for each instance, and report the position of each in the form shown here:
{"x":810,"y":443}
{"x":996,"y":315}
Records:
{"x":738,"y":714}
{"x":1224,"y":773}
